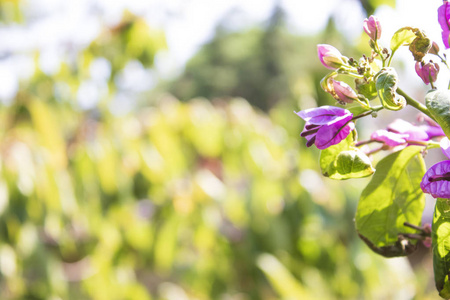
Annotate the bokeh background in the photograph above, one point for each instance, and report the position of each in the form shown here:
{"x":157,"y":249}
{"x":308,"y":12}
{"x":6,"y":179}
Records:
{"x":149,"y":150}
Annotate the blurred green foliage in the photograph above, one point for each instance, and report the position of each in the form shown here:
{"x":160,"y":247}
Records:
{"x":194,"y":198}
{"x":265,"y":65}
{"x":176,"y":200}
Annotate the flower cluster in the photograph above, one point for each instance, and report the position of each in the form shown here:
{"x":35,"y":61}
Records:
{"x":389,"y":211}
{"x":327,"y":126}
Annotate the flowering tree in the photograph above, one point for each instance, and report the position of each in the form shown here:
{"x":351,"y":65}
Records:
{"x":388,"y":216}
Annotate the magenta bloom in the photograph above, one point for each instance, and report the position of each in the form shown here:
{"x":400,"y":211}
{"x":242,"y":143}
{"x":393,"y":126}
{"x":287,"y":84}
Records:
{"x":372,"y":27}
{"x":436,"y":180}
{"x":427,"y":72}
{"x":326,"y":125}
{"x":432,"y":128}
{"x":444,"y":21}
{"x":389,"y":138}
{"x":401,"y":132}
{"x":432,"y":131}
{"x":413,"y":133}
{"x":330,"y":57}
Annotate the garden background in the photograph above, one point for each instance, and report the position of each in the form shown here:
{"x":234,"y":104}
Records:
{"x":146,"y":158}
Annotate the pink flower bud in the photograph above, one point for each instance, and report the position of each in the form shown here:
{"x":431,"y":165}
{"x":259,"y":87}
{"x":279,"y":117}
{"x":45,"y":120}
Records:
{"x":427,"y":72}
{"x":343,"y":92}
{"x":330,"y":57}
{"x":434,"y":49}
{"x":372,"y":27}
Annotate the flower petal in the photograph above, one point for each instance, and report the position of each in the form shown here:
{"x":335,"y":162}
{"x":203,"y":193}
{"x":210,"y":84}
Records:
{"x":444,"y":16}
{"x":437,"y":188}
{"x":445,"y":146}
{"x":445,"y":38}
{"x":329,"y":135}
{"x":322,"y":115}
{"x":432,"y":131}
{"x":389,"y":138}
{"x":403,"y":127}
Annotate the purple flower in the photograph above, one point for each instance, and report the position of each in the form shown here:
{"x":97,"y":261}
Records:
{"x":330,"y":57}
{"x":432,"y":131}
{"x":402,"y":133}
{"x":436,"y":180}
{"x":413,"y":133}
{"x":427,"y":72}
{"x":444,"y":21}
{"x":389,"y":138}
{"x":432,"y":128}
{"x":372,"y":27}
{"x":343,"y":92}
{"x":326,"y":125}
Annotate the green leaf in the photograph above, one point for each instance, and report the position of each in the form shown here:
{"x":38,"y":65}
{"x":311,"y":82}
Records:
{"x":403,"y":37}
{"x":357,"y":109}
{"x":343,"y":161}
{"x":367,"y":89}
{"x":441,"y":246}
{"x":376,"y":3}
{"x":386,"y":84}
{"x":392,"y":197}
{"x":438,"y":103}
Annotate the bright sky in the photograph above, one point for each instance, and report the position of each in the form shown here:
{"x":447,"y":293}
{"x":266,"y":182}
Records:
{"x":187,"y":24}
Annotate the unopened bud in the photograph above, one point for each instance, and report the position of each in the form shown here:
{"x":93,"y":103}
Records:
{"x":330,"y":57}
{"x":427,"y":72}
{"x":372,"y":27}
{"x":434,"y":49}
{"x":343,"y":92}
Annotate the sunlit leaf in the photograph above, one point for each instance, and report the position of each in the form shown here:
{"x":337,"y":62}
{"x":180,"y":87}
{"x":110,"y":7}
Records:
{"x":344,"y":161}
{"x":402,"y":37}
{"x":376,"y":3}
{"x":438,"y":103}
{"x":392,"y":197}
{"x":386,"y":84}
{"x":441,"y":246}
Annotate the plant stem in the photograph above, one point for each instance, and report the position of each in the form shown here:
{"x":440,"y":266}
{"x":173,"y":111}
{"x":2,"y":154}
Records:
{"x":390,"y":58}
{"x":414,"y":103}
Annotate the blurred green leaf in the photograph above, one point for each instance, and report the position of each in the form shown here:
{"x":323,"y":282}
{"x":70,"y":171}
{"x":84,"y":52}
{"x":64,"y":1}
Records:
{"x":376,"y":3}
{"x":283,"y":282}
